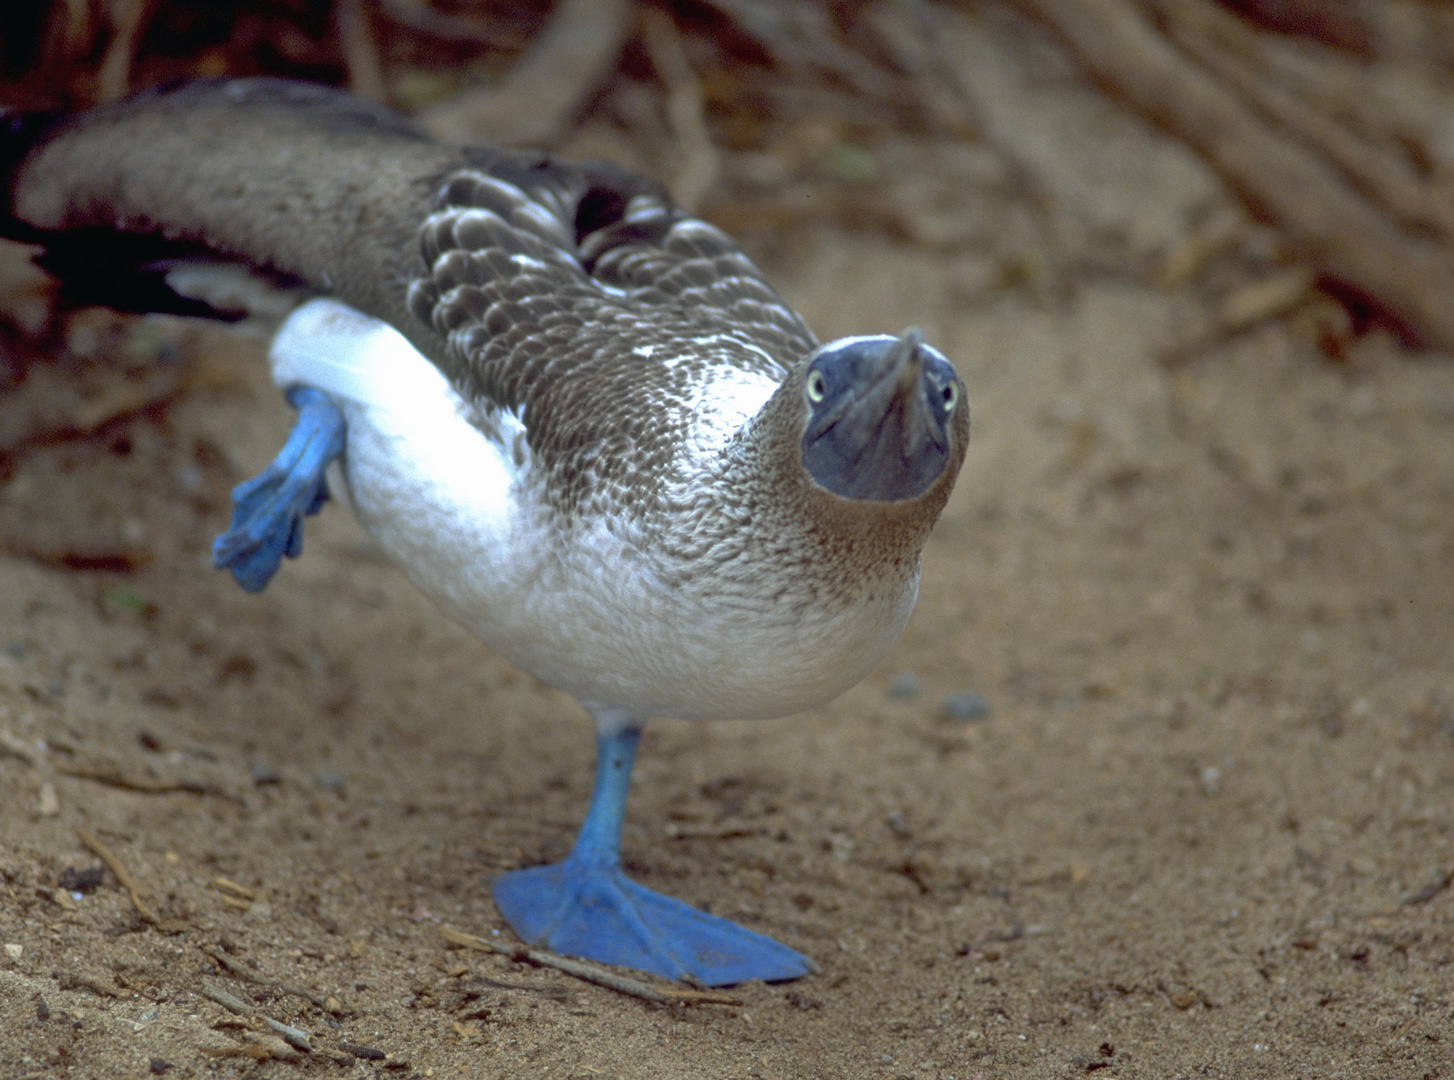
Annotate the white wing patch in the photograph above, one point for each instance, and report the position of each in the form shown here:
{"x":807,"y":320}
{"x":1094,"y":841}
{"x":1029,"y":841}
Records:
{"x":347,"y":354}
{"x":721,"y":403}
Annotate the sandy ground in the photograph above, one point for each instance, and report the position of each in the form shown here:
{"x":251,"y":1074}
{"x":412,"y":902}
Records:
{"x":1206,"y":828}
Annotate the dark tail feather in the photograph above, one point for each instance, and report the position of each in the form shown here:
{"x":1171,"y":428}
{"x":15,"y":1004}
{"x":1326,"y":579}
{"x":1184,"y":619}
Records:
{"x":20,"y":132}
{"x":125,"y":271}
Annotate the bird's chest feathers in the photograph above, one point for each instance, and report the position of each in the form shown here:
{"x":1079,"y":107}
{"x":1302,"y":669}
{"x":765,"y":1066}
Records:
{"x":678,"y":601}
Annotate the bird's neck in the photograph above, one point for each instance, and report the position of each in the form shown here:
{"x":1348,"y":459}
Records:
{"x":767,"y":499}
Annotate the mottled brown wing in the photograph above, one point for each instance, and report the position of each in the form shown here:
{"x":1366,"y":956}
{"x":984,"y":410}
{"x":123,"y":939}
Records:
{"x":578,"y":297}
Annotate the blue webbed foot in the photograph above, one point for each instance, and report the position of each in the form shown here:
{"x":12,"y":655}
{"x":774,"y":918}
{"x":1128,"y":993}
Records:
{"x":268,"y":510}
{"x":585,"y":906}
{"x":596,"y":912}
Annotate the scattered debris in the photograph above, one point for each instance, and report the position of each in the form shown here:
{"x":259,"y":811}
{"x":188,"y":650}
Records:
{"x":70,"y":980}
{"x":363,"y":1053}
{"x":82,"y":881}
{"x":965,"y":707}
{"x":19,"y":748}
{"x":129,"y":883}
{"x":242,"y":892}
{"x":328,"y":1004}
{"x":593,"y":973}
{"x":294,"y":1037}
{"x":112,"y":776}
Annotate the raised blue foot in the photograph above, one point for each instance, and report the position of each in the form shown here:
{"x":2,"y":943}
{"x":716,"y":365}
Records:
{"x":585,"y":906}
{"x":268,"y":510}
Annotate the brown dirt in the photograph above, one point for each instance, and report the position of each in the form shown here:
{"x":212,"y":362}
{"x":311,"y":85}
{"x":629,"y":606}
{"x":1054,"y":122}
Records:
{"x":1206,"y":830}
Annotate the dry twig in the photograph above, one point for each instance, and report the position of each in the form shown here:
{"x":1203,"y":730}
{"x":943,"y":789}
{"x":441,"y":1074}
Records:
{"x":592,"y":973}
{"x":70,"y":980}
{"x":697,"y":168}
{"x":1429,"y":891}
{"x":329,"y":1004}
{"x":423,"y":18}
{"x":548,"y":86}
{"x":18,"y":747}
{"x":128,"y":17}
{"x":111,"y":776}
{"x":43,"y":415}
{"x":294,"y":1037}
{"x":1209,"y":239}
{"x":225,"y":884}
{"x":360,"y":51}
{"x":800,"y":36}
{"x":123,"y":875}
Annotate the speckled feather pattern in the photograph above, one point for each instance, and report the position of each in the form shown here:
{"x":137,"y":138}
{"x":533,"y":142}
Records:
{"x":583,"y":299}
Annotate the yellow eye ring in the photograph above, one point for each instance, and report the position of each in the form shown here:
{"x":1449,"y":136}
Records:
{"x":950,"y":395}
{"x":817,"y":387}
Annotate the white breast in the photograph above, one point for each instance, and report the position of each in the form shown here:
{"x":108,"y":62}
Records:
{"x":451,"y":496}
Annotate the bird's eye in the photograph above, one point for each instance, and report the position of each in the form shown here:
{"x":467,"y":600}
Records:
{"x":949,"y":393}
{"x":817,"y":387}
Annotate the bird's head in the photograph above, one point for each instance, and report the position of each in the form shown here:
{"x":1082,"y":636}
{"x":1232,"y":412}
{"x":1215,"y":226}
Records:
{"x":885,"y":419}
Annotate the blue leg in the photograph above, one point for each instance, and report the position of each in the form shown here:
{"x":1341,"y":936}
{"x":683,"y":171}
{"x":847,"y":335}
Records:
{"x":585,"y":906}
{"x":268,"y":510}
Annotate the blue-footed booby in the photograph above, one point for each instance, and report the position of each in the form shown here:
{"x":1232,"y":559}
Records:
{"x":576,"y":417}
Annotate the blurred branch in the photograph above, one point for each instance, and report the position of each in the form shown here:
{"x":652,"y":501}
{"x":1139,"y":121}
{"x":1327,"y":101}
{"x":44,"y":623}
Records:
{"x":360,"y":51}
{"x":1338,"y":23}
{"x":71,"y":32}
{"x":549,"y":85}
{"x":1407,"y":197}
{"x":1346,"y":236}
{"x":799,"y":35}
{"x":423,"y":18}
{"x":128,"y":17}
{"x":698,"y":167}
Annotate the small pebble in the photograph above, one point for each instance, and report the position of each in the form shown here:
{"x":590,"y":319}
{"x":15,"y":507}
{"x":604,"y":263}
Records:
{"x":965,"y":707}
{"x":189,"y":478}
{"x":905,"y":686}
{"x":82,"y":881}
{"x":328,"y":780}
{"x":48,"y":803}
{"x":364,"y":1053}
{"x":263,"y":774}
{"x":898,"y":824}
{"x":14,"y":951}
{"x":159,"y":1066}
